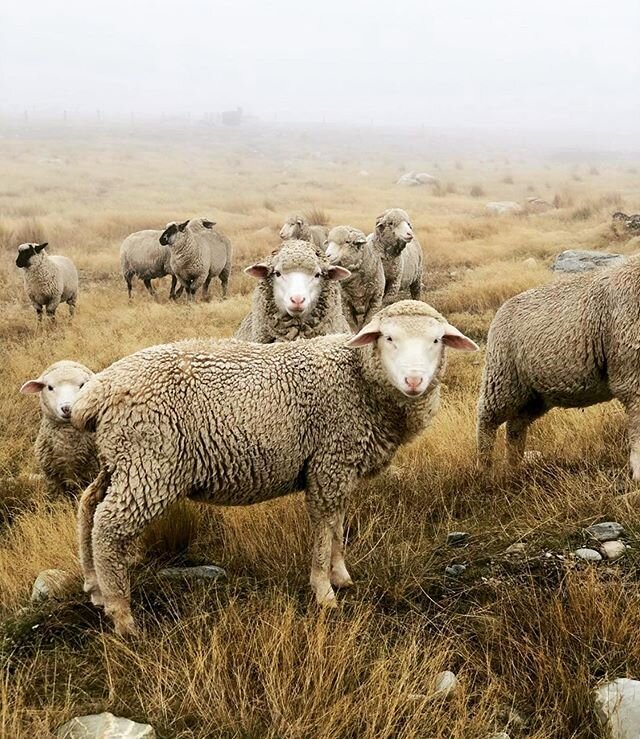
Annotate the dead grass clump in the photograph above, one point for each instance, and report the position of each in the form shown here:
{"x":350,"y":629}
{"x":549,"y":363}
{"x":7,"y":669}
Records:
{"x":317,"y":217}
{"x":507,"y":180}
{"x":563,"y":199}
{"x":27,"y":230}
{"x":477,"y":191}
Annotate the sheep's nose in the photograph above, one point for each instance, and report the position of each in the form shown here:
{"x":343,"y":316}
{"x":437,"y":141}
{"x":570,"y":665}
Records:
{"x":413,"y":382}
{"x":409,"y":236}
{"x":65,"y":410}
{"x":297,"y":300}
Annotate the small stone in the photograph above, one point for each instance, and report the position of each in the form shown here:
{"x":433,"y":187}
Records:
{"x":530,"y":262}
{"x":202,"y":572}
{"x":455,"y":570}
{"x":500,"y":735}
{"x":589,"y":555}
{"x":618,"y":707}
{"x":104,"y":726}
{"x":606,"y":531}
{"x":457,"y":538}
{"x":445,"y":684}
{"x":51,"y":584}
{"x":518,"y":548}
{"x":614,"y":549}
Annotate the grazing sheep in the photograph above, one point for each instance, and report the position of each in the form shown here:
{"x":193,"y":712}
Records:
{"x":566,"y":344}
{"x":198,"y":253}
{"x":297,"y":296}
{"x":143,"y":256}
{"x":297,"y":227}
{"x":235,"y":423}
{"x":401,"y":255}
{"x":68,"y":458}
{"x":48,"y":280}
{"x":362,"y":292}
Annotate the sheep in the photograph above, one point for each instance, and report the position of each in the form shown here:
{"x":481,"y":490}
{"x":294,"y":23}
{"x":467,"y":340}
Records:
{"x":48,"y":280}
{"x":67,"y":457}
{"x":236,"y":423}
{"x":362,"y":292}
{"x":567,"y":344}
{"x":401,"y":255}
{"x":297,"y":227}
{"x":142,"y":255}
{"x":198,"y":253}
{"x":297,"y":296}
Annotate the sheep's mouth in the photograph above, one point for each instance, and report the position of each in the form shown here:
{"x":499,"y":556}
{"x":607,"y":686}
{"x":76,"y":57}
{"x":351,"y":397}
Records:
{"x":293,"y":311}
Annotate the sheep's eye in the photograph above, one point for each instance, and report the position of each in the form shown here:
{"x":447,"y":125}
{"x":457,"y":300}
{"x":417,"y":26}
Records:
{"x":50,"y":388}
{"x":277,"y":274}
{"x":388,"y":338}
{"x":318,"y":275}
{"x":81,"y":384}
{"x":436,"y":341}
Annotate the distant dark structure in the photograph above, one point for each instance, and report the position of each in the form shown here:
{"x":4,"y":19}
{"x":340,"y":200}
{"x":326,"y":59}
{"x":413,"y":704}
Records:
{"x":232,"y":117}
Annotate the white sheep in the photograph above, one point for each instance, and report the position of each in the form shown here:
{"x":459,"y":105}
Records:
{"x":48,"y":280}
{"x":143,"y":256}
{"x":235,"y":423}
{"x":297,"y":227}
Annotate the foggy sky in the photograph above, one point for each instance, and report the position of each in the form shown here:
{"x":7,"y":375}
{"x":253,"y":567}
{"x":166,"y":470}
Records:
{"x":548,"y":64}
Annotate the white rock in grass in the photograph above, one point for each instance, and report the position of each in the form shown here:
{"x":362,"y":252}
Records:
{"x":618,"y":706}
{"x":104,"y":726}
{"x":446,"y":684}
{"x":51,"y":584}
{"x":606,"y":531}
{"x":589,"y":555}
{"x":614,"y":549}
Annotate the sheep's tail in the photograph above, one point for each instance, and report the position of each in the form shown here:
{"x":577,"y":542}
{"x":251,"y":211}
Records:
{"x":88,"y":406}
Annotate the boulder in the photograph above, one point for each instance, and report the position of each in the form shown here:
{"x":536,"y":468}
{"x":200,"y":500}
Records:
{"x":104,"y":726}
{"x":605,"y":531}
{"x":426,"y":179}
{"x":614,"y":549}
{"x":585,"y":261}
{"x":589,"y":555}
{"x":202,"y":572}
{"x":408,"y":180}
{"x":618,"y":706}
{"x":52,"y":584}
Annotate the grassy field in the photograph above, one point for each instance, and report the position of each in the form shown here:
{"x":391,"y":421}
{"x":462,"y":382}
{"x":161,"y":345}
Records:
{"x":252,"y":656}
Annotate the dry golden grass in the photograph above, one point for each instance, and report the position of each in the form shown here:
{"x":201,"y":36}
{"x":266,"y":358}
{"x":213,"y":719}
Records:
{"x":252,"y":657}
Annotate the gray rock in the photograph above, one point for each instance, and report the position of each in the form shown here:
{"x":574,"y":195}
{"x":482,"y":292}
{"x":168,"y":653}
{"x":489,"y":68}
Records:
{"x":614,"y":549}
{"x":445,"y":684}
{"x":605,"y":531}
{"x":202,"y":572}
{"x":618,"y":707}
{"x":104,"y":726}
{"x":51,"y":584}
{"x":455,"y":570}
{"x":408,"y":180}
{"x":589,"y":555}
{"x":426,"y":179}
{"x":457,"y":538}
{"x":584,"y":261}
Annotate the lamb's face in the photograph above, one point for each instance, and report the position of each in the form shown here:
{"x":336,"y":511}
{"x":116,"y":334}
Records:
{"x":292,"y":228}
{"x":172,"y":230}
{"x":26,"y":252}
{"x":58,"y":387}
{"x":394,"y":227}
{"x":345,"y":247}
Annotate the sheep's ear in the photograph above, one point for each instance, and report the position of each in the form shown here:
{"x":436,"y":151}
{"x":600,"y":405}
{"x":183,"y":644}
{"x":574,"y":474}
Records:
{"x":39,"y":247}
{"x":208,"y":224}
{"x":337,"y":273}
{"x":367,"y":335}
{"x":360,"y":240}
{"x":299,"y":221}
{"x":259,"y":271}
{"x":32,"y":387}
{"x":380,"y":223}
{"x":457,"y":340}
{"x":182,"y":226}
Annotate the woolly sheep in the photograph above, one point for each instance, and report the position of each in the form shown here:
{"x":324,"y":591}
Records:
{"x":67,"y":457}
{"x":401,"y":255}
{"x":297,"y":227}
{"x":362,"y":292}
{"x":48,"y":280}
{"x":235,"y":423}
{"x":198,"y":253}
{"x":297,"y":296}
{"x":567,"y":344}
{"x":143,"y":256}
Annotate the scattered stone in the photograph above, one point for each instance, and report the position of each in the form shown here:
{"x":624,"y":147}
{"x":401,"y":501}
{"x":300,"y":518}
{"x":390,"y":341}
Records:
{"x":415,"y":179}
{"x":203,"y":572}
{"x":457,"y":538}
{"x":618,"y":707}
{"x":614,"y":549}
{"x":51,"y":584}
{"x":530,"y":262}
{"x":503,"y":207}
{"x":584,"y":261}
{"x":500,"y":735}
{"x":589,"y":555}
{"x":455,"y":570}
{"x":605,"y":531}
{"x":104,"y":726}
{"x":445,"y":685}
{"x":518,"y":548}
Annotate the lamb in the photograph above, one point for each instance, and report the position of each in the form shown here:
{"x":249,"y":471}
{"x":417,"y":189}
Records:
{"x":198,"y":253}
{"x":297,"y":296}
{"x":297,"y":227}
{"x":48,"y":280}
{"x":401,"y":255}
{"x":567,"y":344}
{"x":236,"y":423}
{"x":362,"y":292}
{"x":68,"y":458}
{"x":142,"y":255}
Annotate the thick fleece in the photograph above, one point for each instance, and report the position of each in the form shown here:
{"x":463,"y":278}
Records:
{"x":298,"y":228}
{"x":48,"y":280}
{"x":143,"y":256}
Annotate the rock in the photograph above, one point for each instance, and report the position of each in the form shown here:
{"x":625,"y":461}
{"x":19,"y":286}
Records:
{"x":455,"y":570}
{"x":457,"y":538}
{"x":605,"y":531}
{"x":589,"y":555}
{"x":531,"y":263}
{"x":518,"y":548}
{"x":203,"y":572}
{"x":503,"y":207}
{"x":425,"y":179}
{"x":614,"y":549}
{"x":104,"y":726}
{"x":445,"y":685}
{"x":584,"y":261}
{"x":618,"y":707}
{"x":408,"y":180}
{"x":51,"y":584}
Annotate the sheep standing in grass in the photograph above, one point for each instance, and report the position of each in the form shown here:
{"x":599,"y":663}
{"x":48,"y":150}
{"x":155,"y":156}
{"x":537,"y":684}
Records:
{"x":48,"y":280}
{"x":297,"y":297}
{"x":401,"y":255}
{"x":566,"y":344}
{"x":234,"y":423}
{"x":68,"y":458}
{"x":297,"y":227}
{"x":361,"y":292}
{"x":198,"y":253}
{"x":143,"y":256}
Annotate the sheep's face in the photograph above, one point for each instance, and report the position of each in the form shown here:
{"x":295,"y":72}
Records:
{"x":292,"y":227}
{"x":345,"y":247}
{"x":395,"y":230}
{"x":410,"y":348}
{"x":169,"y":235}
{"x":26,"y":252}
{"x":58,"y":387}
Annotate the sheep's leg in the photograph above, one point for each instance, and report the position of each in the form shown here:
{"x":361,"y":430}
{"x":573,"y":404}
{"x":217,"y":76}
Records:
{"x":633,"y":429}
{"x":39,"y":311}
{"x":89,"y":500}
{"x":517,"y":429}
{"x":415,"y":289}
{"x":486,"y":432}
{"x":149,"y":286}
{"x":321,"y":560}
{"x":172,"y":292}
{"x":72,"y":307}
{"x":51,"y":311}
{"x":129,"y":280}
{"x":340,"y":577}
{"x":224,"y":281}
{"x":205,"y":288}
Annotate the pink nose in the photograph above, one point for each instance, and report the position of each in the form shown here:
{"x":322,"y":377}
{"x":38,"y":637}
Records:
{"x":413,"y":382}
{"x":297,"y":300}
{"x":409,"y":237}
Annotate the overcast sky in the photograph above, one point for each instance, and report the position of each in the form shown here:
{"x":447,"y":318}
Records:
{"x":547,"y":64}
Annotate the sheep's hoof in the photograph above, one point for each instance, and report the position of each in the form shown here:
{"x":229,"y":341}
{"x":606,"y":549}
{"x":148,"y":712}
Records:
{"x":327,"y":601}
{"x":125,"y":627}
{"x":341,"y":580}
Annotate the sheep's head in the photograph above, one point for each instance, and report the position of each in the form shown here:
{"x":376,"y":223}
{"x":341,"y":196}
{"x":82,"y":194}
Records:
{"x":26,"y":252}
{"x":394,"y":229}
{"x":408,"y":340}
{"x":345,"y":247}
{"x":170,"y":233}
{"x":58,"y":387}
{"x":293,"y":227}
{"x":297,"y":274}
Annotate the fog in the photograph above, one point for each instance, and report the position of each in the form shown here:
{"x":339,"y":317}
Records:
{"x":553,"y":65}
